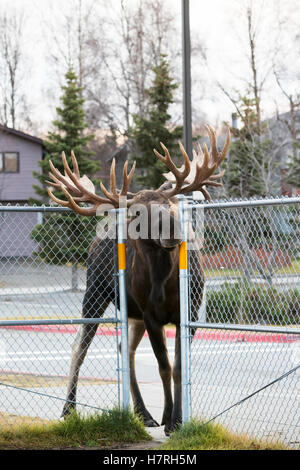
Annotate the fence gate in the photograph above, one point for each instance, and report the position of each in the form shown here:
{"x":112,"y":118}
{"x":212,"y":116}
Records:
{"x":242,"y":368}
{"x":43,"y":258}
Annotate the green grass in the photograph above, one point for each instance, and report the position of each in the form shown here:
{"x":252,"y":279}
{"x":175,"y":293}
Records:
{"x":197,"y":436}
{"x":98,"y":430}
{"x":119,"y":427}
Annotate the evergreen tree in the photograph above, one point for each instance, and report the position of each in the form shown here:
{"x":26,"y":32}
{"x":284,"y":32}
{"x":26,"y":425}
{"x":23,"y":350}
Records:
{"x":63,"y":237}
{"x":68,"y":134}
{"x":148,"y":131}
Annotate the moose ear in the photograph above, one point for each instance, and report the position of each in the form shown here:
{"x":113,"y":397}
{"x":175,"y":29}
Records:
{"x":164,"y":186}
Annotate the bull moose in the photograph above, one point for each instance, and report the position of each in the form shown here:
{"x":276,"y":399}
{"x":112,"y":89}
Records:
{"x":152,"y":280}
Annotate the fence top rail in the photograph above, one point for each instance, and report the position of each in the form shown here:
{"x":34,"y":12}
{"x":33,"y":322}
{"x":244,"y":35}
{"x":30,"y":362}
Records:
{"x":254,"y":328}
{"x":244,"y":203}
{"x":58,"y":321}
{"x":189,"y":205}
{"x":24,"y":208}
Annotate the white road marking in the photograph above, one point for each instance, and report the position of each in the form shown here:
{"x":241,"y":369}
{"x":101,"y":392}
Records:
{"x":41,"y":356}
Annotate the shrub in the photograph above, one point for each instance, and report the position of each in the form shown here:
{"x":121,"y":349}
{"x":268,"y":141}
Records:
{"x":65,"y":238}
{"x":253,"y":304}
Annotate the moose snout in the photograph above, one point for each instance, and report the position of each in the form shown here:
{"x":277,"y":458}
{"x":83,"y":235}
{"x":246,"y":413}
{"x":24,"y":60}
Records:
{"x":172,"y":239}
{"x":170,"y":244}
{"x":165,"y":226}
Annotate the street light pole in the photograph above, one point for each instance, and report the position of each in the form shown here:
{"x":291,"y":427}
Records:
{"x":186,"y":78}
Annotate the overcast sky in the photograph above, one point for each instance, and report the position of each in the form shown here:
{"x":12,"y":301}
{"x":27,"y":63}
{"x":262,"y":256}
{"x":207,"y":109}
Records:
{"x":216,"y":22}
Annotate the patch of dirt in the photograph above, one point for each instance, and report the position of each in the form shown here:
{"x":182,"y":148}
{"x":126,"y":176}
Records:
{"x":147,"y":445}
{"x":8,"y":419}
{"x":34,"y":380}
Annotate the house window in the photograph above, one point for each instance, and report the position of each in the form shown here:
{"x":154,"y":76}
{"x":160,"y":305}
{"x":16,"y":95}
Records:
{"x":9,"y":162}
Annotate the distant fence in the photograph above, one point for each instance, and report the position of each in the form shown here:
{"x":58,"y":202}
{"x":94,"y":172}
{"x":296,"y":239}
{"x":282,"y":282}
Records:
{"x":244,"y":373}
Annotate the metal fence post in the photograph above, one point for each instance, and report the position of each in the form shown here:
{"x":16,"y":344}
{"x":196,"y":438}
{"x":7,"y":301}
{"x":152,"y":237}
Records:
{"x":123,"y":307}
{"x":184,"y":313}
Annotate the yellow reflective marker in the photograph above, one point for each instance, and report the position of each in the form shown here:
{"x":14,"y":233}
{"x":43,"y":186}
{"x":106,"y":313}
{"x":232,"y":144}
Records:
{"x":183,"y":259}
{"x":122,"y":255}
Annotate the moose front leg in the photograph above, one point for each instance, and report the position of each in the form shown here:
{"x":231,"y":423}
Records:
{"x":136,"y":332}
{"x":158,"y":341}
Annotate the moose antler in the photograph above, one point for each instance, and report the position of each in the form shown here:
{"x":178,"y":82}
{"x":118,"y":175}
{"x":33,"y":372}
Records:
{"x":180,"y":174}
{"x":81,"y":189}
{"x":113,"y":195}
{"x":192,"y":176}
{"x":197,"y":173}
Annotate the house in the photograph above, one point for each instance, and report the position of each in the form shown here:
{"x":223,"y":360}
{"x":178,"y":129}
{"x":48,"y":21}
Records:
{"x":19,"y":156}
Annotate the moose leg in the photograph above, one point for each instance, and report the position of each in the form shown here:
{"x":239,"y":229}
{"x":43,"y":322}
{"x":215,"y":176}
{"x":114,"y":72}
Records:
{"x":136,"y":332}
{"x":80,"y":346}
{"x":158,"y":341}
{"x":177,"y":408}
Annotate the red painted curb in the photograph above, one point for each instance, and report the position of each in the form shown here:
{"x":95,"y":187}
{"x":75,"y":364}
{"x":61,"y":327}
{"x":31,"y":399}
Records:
{"x":212,"y":335}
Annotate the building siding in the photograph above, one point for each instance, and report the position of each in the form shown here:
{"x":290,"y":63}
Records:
{"x":15,"y":230}
{"x":15,"y":227}
{"x":18,"y":186}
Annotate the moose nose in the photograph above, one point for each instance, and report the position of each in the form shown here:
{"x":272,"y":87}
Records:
{"x":170,"y":244}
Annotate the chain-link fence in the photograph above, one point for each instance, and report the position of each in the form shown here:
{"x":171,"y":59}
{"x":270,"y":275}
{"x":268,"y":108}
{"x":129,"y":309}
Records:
{"x":243,"y":365}
{"x":44,"y":254}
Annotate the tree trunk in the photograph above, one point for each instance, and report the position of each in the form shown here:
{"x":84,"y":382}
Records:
{"x":75,"y":276}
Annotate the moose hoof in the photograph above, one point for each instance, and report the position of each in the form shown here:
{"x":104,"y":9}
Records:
{"x":147,"y":419}
{"x":150,"y":423}
{"x":67,"y":411}
{"x":169,"y":428}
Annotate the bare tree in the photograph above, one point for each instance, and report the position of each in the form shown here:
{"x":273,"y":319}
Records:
{"x":131,"y":42}
{"x":112,"y":47}
{"x":290,"y":120}
{"x":259,"y":143}
{"x":256,"y":87}
{"x":11,"y":50}
{"x":287,"y":79}
{"x":287,"y":75}
{"x":67,"y":29}
{"x":258,"y":45}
